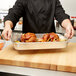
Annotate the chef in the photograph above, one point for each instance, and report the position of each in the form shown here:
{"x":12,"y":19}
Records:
{"x":38,"y":17}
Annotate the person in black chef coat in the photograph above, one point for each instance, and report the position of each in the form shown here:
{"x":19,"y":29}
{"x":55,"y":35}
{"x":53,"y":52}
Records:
{"x":38,"y":17}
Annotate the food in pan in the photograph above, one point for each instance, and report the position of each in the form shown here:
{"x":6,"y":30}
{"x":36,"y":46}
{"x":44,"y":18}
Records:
{"x":48,"y":37}
{"x":40,"y":40}
{"x":28,"y":37}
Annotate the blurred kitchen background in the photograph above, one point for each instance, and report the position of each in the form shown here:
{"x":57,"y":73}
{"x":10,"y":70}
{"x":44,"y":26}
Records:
{"x":69,"y":6}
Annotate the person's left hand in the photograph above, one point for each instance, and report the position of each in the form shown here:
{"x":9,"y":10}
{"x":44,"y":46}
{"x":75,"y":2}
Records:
{"x":68,"y":27}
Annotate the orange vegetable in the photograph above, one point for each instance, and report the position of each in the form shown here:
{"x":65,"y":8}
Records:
{"x":1,"y":45}
{"x":0,"y":37}
{"x":20,"y":22}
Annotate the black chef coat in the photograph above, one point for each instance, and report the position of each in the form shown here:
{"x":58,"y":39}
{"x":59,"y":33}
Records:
{"x":38,"y":15}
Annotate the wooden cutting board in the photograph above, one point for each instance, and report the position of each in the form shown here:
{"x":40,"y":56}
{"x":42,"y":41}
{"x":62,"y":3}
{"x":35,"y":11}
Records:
{"x":60,"y":60}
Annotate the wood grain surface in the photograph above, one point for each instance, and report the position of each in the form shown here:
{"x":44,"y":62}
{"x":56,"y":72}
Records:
{"x":55,"y":59}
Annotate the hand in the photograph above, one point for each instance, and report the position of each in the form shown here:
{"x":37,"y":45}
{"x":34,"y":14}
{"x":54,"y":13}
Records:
{"x":69,"y":32}
{"x":69,"y":29}
{"x":6,"y":34}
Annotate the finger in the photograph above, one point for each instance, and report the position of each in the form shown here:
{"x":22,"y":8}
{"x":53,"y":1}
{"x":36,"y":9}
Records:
{"x":72,"y":33}
{"x":5,"y":35}
{"x":9,"y":34}
{"x":68,"y":31}
{"x":66,"y":35}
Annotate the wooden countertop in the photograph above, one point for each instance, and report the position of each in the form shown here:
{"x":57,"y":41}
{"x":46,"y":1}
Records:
{"x":60,"y":60}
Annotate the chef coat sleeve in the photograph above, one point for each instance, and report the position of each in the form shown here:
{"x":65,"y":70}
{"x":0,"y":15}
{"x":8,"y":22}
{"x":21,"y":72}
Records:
{"x":15,"y":12}
{"x":60,"y":14}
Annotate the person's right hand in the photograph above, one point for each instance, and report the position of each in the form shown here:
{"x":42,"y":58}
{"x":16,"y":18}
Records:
{"x":6,"y":34}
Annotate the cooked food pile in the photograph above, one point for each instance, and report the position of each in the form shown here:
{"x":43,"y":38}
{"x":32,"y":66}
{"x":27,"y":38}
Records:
{"x":50,"y":37}
{"x":31,"y":37}
{"x":28,"y":37}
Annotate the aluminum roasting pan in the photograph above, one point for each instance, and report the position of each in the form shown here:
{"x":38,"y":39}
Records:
{"x":38,"y":45}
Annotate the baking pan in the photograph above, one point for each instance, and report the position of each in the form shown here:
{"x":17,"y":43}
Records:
{"x":38,"y":45}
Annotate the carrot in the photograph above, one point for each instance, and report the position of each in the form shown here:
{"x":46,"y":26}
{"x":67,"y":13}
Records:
{"x":1,"y":45}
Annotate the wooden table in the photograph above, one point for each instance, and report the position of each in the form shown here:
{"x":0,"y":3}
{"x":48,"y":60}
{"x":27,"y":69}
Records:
{"x":41,"y":61}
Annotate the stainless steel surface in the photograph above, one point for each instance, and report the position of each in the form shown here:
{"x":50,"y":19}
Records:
{"x":32,"y":71}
